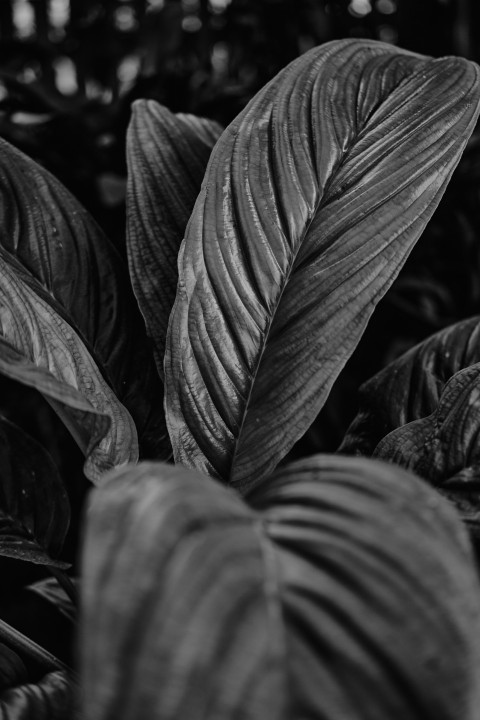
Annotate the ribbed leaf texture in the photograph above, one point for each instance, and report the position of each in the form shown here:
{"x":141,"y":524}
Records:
{"x":167,"y":157}
{"x":57,"y":249}
{"x":34,"y":506}
{"x":345,"y":590}
{"x":410,"y":388}
{"x":49,"y":699}
{"x":313,"y":198}
{"x":33,"y":336}
{"x":422,"y":412}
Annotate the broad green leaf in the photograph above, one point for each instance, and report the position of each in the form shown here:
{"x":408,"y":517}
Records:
{"x":346,"y":588}
{"x":34,"y":506}
{"x":49,"y":699}
{"x":312,"y":200}
{"x":167,"y":156}
{"x":43,"y":340}
{"x":410,"y":388}
{"x":69,"y":262}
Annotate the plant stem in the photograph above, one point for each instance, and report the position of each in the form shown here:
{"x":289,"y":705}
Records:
{"x":21,"y":644}
{"x":65,"y":583}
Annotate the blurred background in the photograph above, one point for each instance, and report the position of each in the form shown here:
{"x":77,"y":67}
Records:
{"x":70,"y":69}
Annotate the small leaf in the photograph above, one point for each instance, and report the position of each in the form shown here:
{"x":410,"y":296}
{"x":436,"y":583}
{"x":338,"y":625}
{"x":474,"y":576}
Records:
{"x":34,"y":506}
{"x":443,"y":445}
{"x":167,"y":157}
{"x":49,"y":699}
{"x":42,"y":338}
{"x":74,"y":268}
{"x":421,"y":412}
{"x":313,"y":198}
{"x":410,"y":387}
{"x":346,"y":589}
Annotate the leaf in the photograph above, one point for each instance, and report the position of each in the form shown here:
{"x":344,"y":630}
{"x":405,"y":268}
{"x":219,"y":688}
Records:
{"x":167,"y":156}
{"x":49,"y":699}
{"x":34,"y":506}
{"x":39,"y":344}
{"x":50,"y":590}
{"x":74,"y":268}
{"x":313,"y":198}
{"x":345,"y":589}
{"x":12,"y":668}
{"x":410,"y":388}
{"x":442,"y":445}
{"x":421,"y":412}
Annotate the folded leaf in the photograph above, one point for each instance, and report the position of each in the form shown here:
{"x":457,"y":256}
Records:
{"x":313,"y":198}
{"x":34,"y":506}
{"x":346,"y":589}
{"x":410,"y":387}
{"x":49,"y":699}
{"x":72,"y":265}
{"x":167,"y":156}
{"x":42,"y":339}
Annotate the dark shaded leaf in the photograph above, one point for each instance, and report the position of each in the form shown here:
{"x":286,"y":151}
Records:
{"x":313,"y":198}
{"x":345,"y":589}
{"x":167,"y":156}
{"x":34,"y":506}
{"x":422,"y":412}
{"x":100,"y":425}
{"x":12,"y":668}
{"x":410,"y":387}
{"x":442,"y":445}
{"x":52,"y":592}
{"x":75,"y":269}
{"x":49,"y":699}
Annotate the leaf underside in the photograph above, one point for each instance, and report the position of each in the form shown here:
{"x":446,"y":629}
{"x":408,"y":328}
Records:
{"x":345,"y":589}
{"x":313,"y":198}
{"x":167,"y":157}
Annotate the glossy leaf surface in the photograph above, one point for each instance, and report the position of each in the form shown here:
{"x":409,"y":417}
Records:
{"x":41,"y":338}
{"x":345,"y":590}
{"x":49,"y":699}
{"x":34,"y":506}
{"x":72,"y":265}
{"x":167,"y":156}
{"x":313,"y":198}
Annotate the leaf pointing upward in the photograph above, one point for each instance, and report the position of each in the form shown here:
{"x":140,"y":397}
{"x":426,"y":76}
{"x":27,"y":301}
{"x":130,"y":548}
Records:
{"x":312,"y":200}
{"x":167,"y":157}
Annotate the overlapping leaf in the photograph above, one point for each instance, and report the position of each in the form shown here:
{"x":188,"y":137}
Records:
{"x":39,"y":344}
{"x":49,"y":699}
{"x":345,"y":590}
{"x":410,"y":388}
{"x":75,"y":269}
{"x":312,"y":200}
{"x":34,"y":506}
{"x":422,"y":412}
{"x":167,"y":156}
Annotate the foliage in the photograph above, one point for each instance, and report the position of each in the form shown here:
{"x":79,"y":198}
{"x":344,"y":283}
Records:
{"x":257,"y":256}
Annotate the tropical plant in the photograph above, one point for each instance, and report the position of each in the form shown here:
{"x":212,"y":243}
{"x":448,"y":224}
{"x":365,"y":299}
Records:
{"x":327,"y":587}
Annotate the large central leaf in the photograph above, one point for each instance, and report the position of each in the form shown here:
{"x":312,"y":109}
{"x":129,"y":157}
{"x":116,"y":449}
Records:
{"x":313,"y":198}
